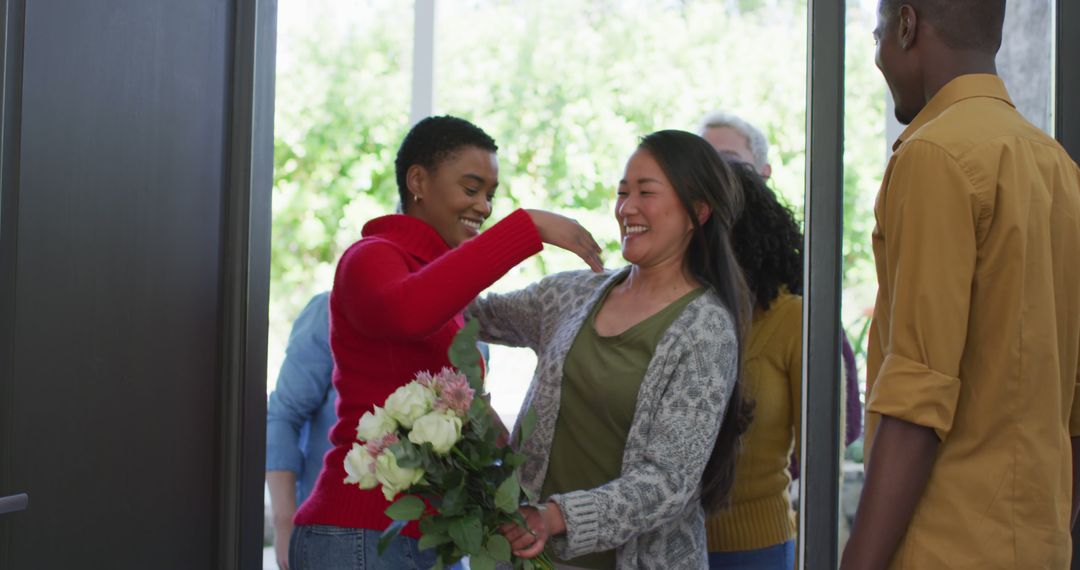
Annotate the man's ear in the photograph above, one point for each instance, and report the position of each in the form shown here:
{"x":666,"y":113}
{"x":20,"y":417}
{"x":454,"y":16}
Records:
{"x":907,"y":23}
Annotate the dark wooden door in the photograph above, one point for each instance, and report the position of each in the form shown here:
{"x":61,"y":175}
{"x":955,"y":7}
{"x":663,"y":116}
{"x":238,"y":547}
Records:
{"x":136,"y":161}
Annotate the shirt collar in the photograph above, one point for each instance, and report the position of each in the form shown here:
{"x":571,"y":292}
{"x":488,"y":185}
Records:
{"x":960,"y":88}
{"x":414,"y":235}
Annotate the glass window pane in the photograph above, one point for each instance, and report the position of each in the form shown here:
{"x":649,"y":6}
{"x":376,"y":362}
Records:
{"x":864,"y":166}
{"x":341,"y":110}
{"x":567,"y":87}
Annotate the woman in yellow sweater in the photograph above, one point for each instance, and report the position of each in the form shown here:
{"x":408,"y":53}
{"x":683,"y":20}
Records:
{"x":757,"y":531}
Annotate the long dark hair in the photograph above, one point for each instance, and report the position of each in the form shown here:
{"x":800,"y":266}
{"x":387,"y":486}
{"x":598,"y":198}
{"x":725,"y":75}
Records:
{"x":700,"y":176}
{"x":767,"y":240}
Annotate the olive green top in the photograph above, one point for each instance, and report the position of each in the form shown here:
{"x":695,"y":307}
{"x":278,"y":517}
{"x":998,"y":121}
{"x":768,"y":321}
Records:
{"x":601,"y":377}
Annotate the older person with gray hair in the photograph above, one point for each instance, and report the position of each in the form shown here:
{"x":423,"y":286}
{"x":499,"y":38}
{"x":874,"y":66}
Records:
{"x":736,"y":139}
{"x":758,"y":530}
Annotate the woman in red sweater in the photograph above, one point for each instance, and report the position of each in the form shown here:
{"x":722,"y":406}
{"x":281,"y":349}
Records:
{"x":396,"y":304}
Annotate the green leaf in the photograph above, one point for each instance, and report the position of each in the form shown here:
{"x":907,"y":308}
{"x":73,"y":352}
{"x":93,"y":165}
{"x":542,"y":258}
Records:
{"x":467,"y":534}
{"x":463,"y":348}
{"x":506,"y":497}
{"x":407,"y":454}
{"x":475,"y":376}
{"x":491,"y":436}
{"x":478,"y":412}
{"x":528,"y":424}
{"x":390,"y":534}
{"x":454,"y":479}
{"x":529,"y":494}
{"x":407,"y":508}
{"x":465,"y":356}
{"x":481,"y":562}
{"x":453,"y":502}
{"x":432,"y":540}
{"x":498,"y":547}
{"x":514,"y":459}
{"x":434,"y":525}
{"x":527,"y":564}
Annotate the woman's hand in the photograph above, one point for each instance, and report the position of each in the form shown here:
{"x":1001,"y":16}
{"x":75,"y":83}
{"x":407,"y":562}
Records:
{"x":541,"y":525}
{"x":568,"y":234}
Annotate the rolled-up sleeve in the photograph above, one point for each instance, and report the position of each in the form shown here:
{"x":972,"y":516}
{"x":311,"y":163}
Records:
{"x":928,"y":222}
{"x":302,"y":387}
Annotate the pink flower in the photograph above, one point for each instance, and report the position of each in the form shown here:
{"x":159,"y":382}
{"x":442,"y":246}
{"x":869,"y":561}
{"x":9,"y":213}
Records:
{"x":376,"y":446}
{"x":453,"y":391}
{"x":424,"y":378}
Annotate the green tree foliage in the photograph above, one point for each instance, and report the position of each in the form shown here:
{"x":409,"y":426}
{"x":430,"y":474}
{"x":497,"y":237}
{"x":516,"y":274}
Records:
{"x":341,"y":110}
{"x":566,"y":87}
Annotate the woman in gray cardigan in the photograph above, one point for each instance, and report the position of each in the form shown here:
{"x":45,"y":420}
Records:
{"x":636,"y":369}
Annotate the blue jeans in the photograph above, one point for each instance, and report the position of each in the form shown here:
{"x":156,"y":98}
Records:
{"x":318,"y":547}
{"x":779,"y":557}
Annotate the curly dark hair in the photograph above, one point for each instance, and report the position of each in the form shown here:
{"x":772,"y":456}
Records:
{"x":432,"y":141}
{"x":767,"y":240}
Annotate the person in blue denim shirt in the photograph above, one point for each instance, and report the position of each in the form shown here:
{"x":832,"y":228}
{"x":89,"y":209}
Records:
{"x":299,"y":414}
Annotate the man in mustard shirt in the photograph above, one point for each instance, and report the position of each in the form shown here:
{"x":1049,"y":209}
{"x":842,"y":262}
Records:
{"x":972,"y":400}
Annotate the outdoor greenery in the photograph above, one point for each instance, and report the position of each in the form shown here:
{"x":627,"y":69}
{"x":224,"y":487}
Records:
{"x":566,"y":87}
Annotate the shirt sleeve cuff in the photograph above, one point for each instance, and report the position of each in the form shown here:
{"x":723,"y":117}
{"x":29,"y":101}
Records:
{"x":282,"y":449}
{"x":910,"y":391}
{"x":513,"y":239}
{"x":579,"y":510}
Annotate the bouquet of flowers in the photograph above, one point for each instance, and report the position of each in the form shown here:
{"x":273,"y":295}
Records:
{"x":435,"y":442}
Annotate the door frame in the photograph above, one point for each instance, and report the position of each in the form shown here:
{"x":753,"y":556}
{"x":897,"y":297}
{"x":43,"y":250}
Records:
{"x":245,"y":292}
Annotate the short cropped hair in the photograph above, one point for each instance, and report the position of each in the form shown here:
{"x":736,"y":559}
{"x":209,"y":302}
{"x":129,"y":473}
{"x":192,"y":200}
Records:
{"x":961,"y":24}
{"x":759,"y":145}
{"x":432,"y":141}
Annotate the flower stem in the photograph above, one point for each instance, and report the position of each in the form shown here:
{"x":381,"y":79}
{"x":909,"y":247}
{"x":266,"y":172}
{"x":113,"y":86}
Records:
{"x":543,"y":562}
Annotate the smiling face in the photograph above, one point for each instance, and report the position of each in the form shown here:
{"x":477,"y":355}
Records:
{"x":653,"y":223}
{"x":455,"y":196}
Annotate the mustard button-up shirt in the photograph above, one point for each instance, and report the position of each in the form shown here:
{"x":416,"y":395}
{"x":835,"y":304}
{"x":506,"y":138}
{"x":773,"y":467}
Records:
{"x":976,"y":331}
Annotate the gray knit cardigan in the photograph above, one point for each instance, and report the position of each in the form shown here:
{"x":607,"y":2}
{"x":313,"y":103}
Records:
{"x":651,"y":514}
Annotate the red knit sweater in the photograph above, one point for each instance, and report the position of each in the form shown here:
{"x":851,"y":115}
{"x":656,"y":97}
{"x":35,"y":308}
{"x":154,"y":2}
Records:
{"x":396,"y":304}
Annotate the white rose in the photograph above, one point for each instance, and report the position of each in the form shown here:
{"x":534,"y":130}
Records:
{"x":374,"y":425}
{"x":394,"y":479}
{"x":409,"y":402}
{"x":441,"y":429}
{"x":360,"y":466}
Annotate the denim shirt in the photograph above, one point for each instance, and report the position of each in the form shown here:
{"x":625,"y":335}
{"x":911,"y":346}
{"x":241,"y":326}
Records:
{"x":300,"y":411}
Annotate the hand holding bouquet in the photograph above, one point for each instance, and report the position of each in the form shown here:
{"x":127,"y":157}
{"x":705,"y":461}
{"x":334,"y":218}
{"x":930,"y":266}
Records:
{"x":437,"y":441}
